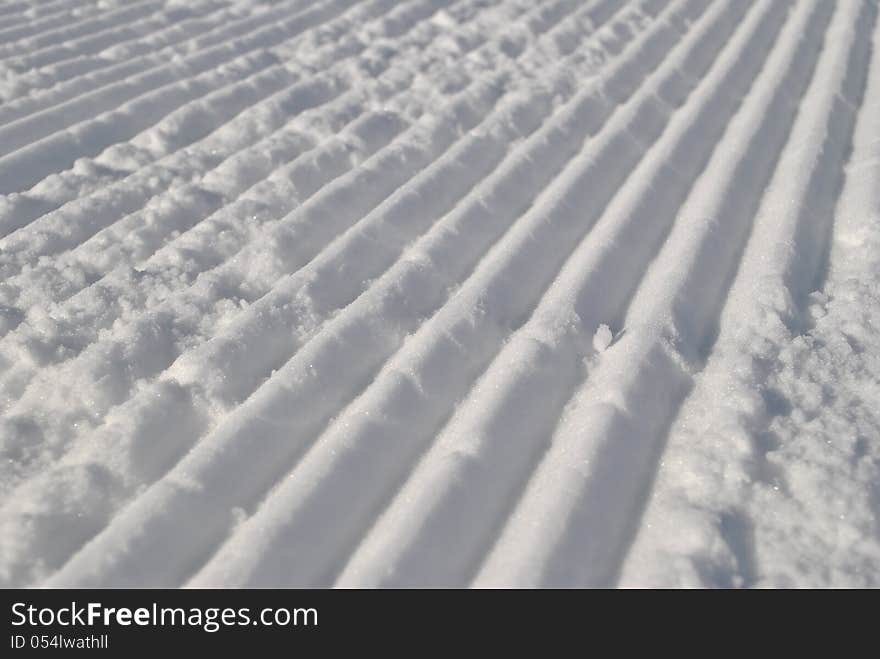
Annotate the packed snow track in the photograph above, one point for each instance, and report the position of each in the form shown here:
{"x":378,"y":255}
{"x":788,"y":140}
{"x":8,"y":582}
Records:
{"x":483,"y":293}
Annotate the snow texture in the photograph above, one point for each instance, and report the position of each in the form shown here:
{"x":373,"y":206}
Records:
{"x":482,"y":293}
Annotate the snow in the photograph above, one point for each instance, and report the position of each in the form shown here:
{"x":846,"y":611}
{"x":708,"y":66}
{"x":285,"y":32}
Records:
{"x":602,"y":338}
{"x":439,"y":293}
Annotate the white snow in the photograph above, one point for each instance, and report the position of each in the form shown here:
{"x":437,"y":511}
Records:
{"x":440,"y":293}
{"x":602,"y":338}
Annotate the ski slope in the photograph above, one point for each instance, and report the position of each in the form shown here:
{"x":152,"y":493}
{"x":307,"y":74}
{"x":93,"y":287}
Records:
{"x":491,"y":293}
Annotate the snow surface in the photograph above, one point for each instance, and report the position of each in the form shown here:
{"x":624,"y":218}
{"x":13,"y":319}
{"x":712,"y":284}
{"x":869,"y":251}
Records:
{"x":439,"y":293}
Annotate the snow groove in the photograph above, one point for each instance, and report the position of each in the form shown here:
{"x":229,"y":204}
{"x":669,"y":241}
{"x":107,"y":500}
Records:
{"x":557,"y":337}
{"x":129,"y":106}
{"x":419,"y":138}
{"x":780,"y":267}
{"x":517,"y":293}
{"x":657,"y":338}
{"x":39,"y":88}
{"x":235,"y":268}
{"x":360,"y":339}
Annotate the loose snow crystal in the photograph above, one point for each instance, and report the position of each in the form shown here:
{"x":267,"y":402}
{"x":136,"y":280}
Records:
{"x":602,"y":338}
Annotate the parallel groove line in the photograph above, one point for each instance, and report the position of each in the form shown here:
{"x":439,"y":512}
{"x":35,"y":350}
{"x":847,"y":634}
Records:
{"x":29,"y":163}
{"x":104,"y":209}
{"x":489,"y":89}
{"x":42,"y":24}
{"x":81,"y":30}
{"x":472,"y":293}
{"x":551,"y":339}
{"x":312,"y":169}
{"x":233,"y":265}
{"x":302,"y":357}
{"x":46,"y":86}
{"x":170,"y":566}
{"x":728,"y":192}
{"x":181,"y":127}
{"x":781,"y":262}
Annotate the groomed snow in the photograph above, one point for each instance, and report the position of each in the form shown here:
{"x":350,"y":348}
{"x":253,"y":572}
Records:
{"x":439,"y":293}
